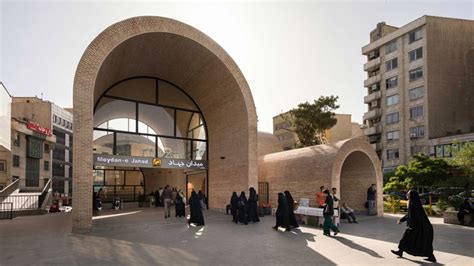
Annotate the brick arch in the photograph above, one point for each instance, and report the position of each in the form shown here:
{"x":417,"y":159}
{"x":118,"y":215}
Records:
{"x":171,"y":50}
{"x":303,"y":171}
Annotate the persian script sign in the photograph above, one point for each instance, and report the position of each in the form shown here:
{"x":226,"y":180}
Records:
{"x":147,"y":162}
{"x":39,"y":128}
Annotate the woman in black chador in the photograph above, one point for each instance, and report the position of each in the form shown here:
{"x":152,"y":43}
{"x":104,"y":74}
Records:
{"x":291,"y":204}
{"x":234,"y":206}
{"x":179,"y":207}
{"x":243,"y":208}
{"x":195,"y":210}
{"x":418,"y":237}
{"x":253,"y":205}
{"x":282,"y":214}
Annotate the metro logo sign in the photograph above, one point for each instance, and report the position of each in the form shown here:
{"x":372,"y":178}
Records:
{"x":39,"y":128}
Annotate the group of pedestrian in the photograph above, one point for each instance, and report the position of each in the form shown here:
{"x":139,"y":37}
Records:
{"x":244,"y":210}
{"x":285,"y":213}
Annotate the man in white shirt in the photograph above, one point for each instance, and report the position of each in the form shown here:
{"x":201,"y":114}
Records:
{"x":349,"y":213}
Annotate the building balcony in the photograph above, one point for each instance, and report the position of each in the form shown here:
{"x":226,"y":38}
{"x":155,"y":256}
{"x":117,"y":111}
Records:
{"x":372,"y":80}
{"x":373,"y":130}
{"x":372,"y":114}
{"x":372,"y":64}
{"x":373,"y":96}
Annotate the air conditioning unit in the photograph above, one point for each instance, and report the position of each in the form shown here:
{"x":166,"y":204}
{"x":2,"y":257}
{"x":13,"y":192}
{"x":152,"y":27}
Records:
{"x":374,"y":104}
{"x":412,"y":135}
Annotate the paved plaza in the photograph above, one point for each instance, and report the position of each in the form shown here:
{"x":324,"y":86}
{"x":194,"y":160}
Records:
{"x":143,"y":237}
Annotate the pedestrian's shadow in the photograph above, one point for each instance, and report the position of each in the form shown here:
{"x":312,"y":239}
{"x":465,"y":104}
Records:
{"x":422,"y":262}
{"x":353,"y":245}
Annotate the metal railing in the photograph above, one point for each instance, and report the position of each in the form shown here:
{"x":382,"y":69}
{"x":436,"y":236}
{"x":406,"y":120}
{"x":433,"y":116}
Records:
{"x":44,"y":193}
{"x":22,"y":202}
{"x":10,"y":188}
{"x":6,"y":210}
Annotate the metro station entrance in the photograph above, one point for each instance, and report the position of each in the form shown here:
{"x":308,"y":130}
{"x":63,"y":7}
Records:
{"x":148,"y":133}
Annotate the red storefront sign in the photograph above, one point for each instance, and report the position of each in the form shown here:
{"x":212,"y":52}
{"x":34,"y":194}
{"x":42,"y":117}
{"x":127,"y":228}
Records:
{"x":39,"y":128}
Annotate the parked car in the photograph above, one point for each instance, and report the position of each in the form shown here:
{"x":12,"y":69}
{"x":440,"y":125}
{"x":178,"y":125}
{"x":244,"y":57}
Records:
{"x":54,"y":208}
{"x":65,"y":208}
{"x":443,"y":192}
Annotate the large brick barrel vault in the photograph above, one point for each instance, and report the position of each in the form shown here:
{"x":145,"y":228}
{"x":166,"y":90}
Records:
{"x":170,"y":50}
{"x":350,"y":165}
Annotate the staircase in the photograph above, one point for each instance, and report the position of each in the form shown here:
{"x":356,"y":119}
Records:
{"x":18,"y":203}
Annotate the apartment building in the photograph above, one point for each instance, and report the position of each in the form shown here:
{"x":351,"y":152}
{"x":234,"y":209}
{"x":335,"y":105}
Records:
{"x":343,"y":129}
{"x":419,"y":86}
{"x":5,"y":143}
{"x":59,"y":122}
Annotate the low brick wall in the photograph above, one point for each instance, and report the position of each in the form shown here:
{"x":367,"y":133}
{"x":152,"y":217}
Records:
{"x":451,"y":217}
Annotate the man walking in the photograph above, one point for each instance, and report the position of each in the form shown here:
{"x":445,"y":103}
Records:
{"x":321,"y":198}
{"x":371,"y":194}
{"x":167,"y":193}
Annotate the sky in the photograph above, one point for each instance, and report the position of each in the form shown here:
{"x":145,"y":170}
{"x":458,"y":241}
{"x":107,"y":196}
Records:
{"x":289,"y":51}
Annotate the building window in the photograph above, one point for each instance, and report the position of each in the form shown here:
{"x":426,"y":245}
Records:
{"x":16,"y":141}
{"x":34,"y":147}
{"x":391,"y":64}
{"x":392,"y":154}
{"x":393,"y":135}
{"x":16,"y":161}
{"x":391,"y":82}
{"x":414,"y":36}
{"x":415,"y":54}
{"x":391,"y":46}
{"x":416,"y":93}
{"x":416,"y":73}
{"x":373,"y":54}
{"x":392,"y":118}
{"x":46,"y":165}
{"x":55,"y":118}
{"x":416,"y":149}
{"x":375,"y":87}
{"x":416,"y":111}
{"x":32,"y":172}
{"x":46,"y":148}
{"x":416,"y":132}
{"x":392,"y":100}
{"x":2,"y":166}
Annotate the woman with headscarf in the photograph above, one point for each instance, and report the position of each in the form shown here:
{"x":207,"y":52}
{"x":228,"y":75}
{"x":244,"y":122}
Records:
{"x":243,"y":208}
{"x":195,"y":210}
{"x":418,"y":237}
{"x":253,"y":206}
{"x":282,"y":214}
{"x":328,"y":212}
{"x":179,"y":206}
{"x":234,"y":206}
{"x":291,"y":204}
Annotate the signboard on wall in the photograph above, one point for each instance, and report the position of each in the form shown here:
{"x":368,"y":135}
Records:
{"x":39,"y":128}
{"x":147,"y":162}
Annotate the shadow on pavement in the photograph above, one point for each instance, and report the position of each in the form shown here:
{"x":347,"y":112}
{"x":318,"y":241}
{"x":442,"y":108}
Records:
{"x":455,"y":240}
{"x":353,"y":245}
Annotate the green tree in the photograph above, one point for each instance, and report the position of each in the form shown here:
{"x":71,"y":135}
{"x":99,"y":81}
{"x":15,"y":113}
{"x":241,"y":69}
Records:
{"x":310,"y":120}
{"x":463,"y":164}
{"x":424,"y":171}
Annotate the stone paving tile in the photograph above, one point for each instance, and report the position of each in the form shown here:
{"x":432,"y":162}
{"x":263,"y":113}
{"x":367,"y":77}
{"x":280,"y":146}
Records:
{"x":146,"y":238}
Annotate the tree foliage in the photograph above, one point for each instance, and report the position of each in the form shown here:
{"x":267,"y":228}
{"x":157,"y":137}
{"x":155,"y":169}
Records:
{"x":310,"y":120}
{"x":422,"y":170}
{"x":463,"y":163}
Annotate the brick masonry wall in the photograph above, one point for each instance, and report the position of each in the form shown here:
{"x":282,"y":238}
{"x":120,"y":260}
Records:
{"x":143,"y":46}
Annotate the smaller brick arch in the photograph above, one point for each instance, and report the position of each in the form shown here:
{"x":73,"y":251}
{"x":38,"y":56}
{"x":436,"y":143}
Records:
{"x":349,"y":165}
